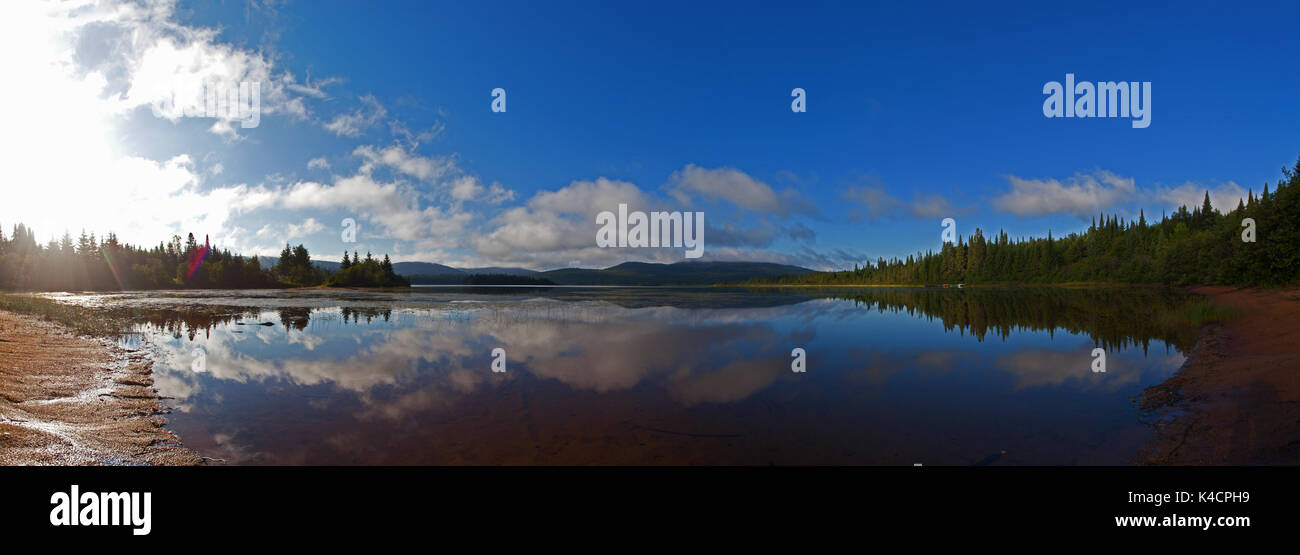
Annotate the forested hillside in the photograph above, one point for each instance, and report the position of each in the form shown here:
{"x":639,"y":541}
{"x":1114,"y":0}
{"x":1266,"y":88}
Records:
{"x":1202,"y":245}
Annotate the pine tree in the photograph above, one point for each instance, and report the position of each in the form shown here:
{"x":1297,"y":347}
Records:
{"x":1207,"y":212}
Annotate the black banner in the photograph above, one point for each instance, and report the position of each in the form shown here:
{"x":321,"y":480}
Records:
{"x":1188,"y":504}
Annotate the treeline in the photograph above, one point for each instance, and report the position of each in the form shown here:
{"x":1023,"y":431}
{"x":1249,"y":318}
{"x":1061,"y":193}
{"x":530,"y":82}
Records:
{"x":355,"y":272}
{"x":94,"y":264}
{"x":1200,"y":246}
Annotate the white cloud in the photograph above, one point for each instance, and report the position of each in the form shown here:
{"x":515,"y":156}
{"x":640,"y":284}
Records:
{"x":468,"y":188}
{"x":394,"y":206}
{"x":78,"y":70}
{"x":876,"y":203}
{"x":933,"y":206}
{"x":497,"y":194}
{"x":558,"y":228}
{"x":420,"y":167}
{"x":736,"y":187}
{"x":307,"y":227}
{"x":558,"y":225}
{"x":145,"y":57}
{"x":223,"y":128}
{"x":314,"y":89}
{"x":1223,"y":197}
{"x":414,"y":138}
{"x":352,"y":124}
{"x":318,"y":164}
{"x":1083,"y":195}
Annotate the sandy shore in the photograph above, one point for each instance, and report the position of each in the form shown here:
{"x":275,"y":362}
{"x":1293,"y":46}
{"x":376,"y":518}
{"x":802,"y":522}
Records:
{"x":1237,"y":398}
{"x":72,"y":400}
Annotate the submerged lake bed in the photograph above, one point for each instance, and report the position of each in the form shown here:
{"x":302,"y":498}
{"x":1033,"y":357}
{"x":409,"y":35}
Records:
{"x":648,"y":376}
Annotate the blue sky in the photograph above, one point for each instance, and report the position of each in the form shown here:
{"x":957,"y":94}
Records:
{"x":916,"y":112}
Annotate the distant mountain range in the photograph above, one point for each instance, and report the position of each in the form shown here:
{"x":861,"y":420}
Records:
{"x":678,"y":273}
{"x":628,"y":273}
{"x":414,"y":268}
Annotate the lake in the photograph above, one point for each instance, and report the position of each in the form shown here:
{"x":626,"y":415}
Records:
{"x":651,"y":376}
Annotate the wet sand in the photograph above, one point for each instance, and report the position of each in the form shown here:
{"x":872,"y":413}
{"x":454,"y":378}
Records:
{"x":1236,"y":401}
{"x":73,"y":400}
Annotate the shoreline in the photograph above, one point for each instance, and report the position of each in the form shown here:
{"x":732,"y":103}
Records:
{"x":68,"y":399}
{"x":1064,"y":284}
{"x":1236,"y":399}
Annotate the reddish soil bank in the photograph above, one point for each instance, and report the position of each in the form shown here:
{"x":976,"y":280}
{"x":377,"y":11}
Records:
{"x":1237,"y":398}
{"x":72,"y":400}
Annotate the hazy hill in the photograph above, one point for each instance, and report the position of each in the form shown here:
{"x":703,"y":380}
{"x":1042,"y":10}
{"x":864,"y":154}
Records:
{"x":500,"y":270}
{"x":679,"y":273}
{"x":627,"y":273}
{"x":424,"y":269}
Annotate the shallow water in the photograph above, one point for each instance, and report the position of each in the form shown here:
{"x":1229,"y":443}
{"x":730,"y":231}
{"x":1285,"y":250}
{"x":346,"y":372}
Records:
{"x":655,"y":376}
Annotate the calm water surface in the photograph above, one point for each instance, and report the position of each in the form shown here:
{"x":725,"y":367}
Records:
{"x":656,"y":376}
